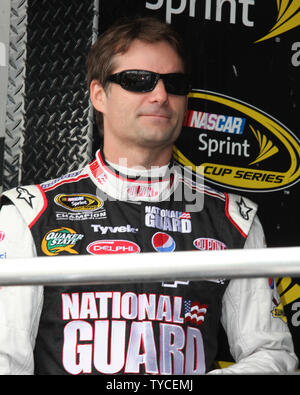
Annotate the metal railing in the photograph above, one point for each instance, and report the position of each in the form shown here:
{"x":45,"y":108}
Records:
{"x":151,"y":267}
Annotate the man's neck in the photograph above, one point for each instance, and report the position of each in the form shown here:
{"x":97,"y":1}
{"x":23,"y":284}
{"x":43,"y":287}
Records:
{"x":139,"y":158}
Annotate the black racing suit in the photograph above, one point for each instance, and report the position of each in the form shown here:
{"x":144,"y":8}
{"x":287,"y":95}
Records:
{"x":153,"y":328}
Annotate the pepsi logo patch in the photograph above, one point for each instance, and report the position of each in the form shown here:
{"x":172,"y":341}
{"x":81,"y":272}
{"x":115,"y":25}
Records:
{"x":205,"y":244}
{"x":162,"y":242}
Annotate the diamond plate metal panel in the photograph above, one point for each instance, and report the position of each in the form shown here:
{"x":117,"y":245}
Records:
{"x":14,"y":124}
{"x":58,"y":120}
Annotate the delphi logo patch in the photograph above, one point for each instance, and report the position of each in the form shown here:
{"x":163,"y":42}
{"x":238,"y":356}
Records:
{"x":236,"y":145}
{"x":100,"y":247}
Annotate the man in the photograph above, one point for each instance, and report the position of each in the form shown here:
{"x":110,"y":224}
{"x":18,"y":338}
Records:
{"x":126,"y":200}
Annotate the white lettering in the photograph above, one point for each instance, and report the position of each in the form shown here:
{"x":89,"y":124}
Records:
{"x":296,"y":316}
{"x":100,"y":305}
{"x":77,"y":357}
{"x":218,"y":9}
{"x":194,"y":352}
{"x":114,"y":229}
{"x":245,"y":13}
{"x":173,"y":384}
{"x":172,"y":340}
{"x":141,"y":335}
{"x":103,"y":345}
{"x":167,"y":220}
{"x":164,"y":310}
{"x":219,"y":146}
{"x":220,"y":4}
{"x":296,"y":56}
{"x":70,"y":306}
{"x":129,"y":306}
{"x":116,"y":356}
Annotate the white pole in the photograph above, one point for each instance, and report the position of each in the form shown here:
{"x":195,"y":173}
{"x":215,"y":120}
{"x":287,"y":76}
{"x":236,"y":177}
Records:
{"x":150,"y":267}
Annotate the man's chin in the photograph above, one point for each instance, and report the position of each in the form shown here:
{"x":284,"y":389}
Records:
{"x":157,"y":142}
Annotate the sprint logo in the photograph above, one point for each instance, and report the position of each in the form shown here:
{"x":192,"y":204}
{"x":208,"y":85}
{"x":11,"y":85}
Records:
{"x":287,"y":19}
{"x":231,"y":11}
{"x":245,"y":150}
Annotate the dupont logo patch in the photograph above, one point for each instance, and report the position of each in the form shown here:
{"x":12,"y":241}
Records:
{"x":205,"y":244}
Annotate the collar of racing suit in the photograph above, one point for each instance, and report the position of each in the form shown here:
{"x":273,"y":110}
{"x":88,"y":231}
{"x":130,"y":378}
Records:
{"x":152,"y":185}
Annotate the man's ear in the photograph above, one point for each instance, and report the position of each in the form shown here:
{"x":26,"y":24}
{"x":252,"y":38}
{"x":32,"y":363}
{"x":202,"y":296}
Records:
{"x":97,"y":95}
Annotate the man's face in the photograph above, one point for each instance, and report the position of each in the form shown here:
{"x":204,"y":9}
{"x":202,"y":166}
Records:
{"x":151,"y":119}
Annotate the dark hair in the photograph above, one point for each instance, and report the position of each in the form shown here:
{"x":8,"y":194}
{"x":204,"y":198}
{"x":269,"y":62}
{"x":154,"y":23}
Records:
{"x":117,"y":40}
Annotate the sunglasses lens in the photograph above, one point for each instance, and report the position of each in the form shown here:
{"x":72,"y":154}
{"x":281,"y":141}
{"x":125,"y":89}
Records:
{"x":176,"y":84}
{"x":138,"y":81}
{"x":145,"y":81}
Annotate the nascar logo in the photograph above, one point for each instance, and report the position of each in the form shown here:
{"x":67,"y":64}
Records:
{"x":79,"y":202}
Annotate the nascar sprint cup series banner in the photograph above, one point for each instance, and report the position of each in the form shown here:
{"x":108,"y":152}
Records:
{"x":242,"y":127}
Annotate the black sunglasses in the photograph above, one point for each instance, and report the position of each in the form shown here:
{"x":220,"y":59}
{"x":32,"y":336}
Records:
{"x":145,"y":81}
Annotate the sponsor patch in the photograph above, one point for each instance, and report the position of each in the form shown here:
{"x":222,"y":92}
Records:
{"x":78,"y":202}
{"x":81,"y":216}
{"x":114,"y":229}
{"x":59,"y":240}
{"x":168,"y":220}
{"x":207,"y":244}
{"x":143,"y":191}
{"x":100,"y":247}
{"x":162,"y":242}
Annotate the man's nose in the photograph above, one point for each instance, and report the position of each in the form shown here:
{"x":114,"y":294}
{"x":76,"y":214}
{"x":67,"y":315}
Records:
{"x":159,"y":93}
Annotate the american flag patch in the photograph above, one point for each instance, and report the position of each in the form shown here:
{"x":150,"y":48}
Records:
{"x":194,"y":312}
{"x":185,"y":215}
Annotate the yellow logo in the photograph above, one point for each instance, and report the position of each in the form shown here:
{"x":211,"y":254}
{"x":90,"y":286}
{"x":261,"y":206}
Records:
{"x":288,"y":18}
{"x":58,"y":240}
{"x":244,"y":149}
{"x":289,"y":292}
{"x":79,"y":202}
